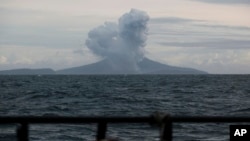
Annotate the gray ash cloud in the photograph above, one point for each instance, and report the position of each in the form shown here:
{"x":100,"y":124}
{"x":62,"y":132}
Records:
{"x":121,"y":43}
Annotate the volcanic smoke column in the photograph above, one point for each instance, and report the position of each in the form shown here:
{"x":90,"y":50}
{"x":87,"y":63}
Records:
{"x":121,"y":45}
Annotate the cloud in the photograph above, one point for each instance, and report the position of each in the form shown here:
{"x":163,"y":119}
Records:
{"x":171,"y":20}
{"x":217,"y":44}
{"x":194,"y":22}
{"x":3,"y":60}
{"x":15,"y":56}
{"x":39,"y":36}
{"x":218,"y":26}
{"x":198,"y":33}
{"x":34,"y":27}
{"x":121,"y":43}
{"x":79,"y":51}
{"x":234,"y":61}
{"x":226,"y":1}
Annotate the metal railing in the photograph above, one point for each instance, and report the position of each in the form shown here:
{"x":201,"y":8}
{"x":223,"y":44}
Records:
{"x":165,"y":122}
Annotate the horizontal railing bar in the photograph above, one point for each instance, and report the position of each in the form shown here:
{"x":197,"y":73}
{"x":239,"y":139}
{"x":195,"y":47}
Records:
{"x":150,"y":119}
{"x":72,"y":120}
{"x":197,"y":119}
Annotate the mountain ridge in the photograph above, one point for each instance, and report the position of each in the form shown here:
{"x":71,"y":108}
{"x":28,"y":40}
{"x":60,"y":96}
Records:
{"x":146,"y":66}
{"x":27,"y":71}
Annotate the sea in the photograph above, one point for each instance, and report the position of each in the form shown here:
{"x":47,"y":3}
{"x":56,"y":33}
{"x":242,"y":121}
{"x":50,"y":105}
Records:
{"x":123,"y":95}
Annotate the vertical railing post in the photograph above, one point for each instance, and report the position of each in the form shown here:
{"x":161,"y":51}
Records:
{"x":101,"y":131}
{"x":164,"y":121}
{"x":23,"y":132}
{"x":167,"y":132}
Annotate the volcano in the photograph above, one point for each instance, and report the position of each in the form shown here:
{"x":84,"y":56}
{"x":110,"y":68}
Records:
{"x":146,"y":66}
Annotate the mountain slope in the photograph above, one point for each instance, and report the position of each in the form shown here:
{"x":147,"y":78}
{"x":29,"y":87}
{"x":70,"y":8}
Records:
{"x":95,"y":68}
{"x":151,"y":67}
{"x":146,"y":66}
{"x":27,"y":72}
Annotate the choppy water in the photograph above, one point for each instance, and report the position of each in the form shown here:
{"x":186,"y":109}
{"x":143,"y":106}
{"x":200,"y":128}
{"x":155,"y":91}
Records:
{"x":120,"y":95}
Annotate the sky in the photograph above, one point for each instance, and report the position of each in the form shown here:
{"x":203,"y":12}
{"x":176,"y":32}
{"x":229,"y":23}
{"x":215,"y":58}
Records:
{"x":209,"y":35}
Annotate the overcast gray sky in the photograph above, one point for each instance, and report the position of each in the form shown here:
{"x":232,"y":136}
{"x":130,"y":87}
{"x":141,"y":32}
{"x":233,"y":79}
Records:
{"x":209,"y":35}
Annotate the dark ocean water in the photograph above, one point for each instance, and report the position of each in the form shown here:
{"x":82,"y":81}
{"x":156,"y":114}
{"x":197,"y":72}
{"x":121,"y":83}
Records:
{"x":121,"y":95}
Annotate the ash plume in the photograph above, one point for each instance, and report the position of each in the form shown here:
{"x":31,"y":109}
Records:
{"x":121,"y":44}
